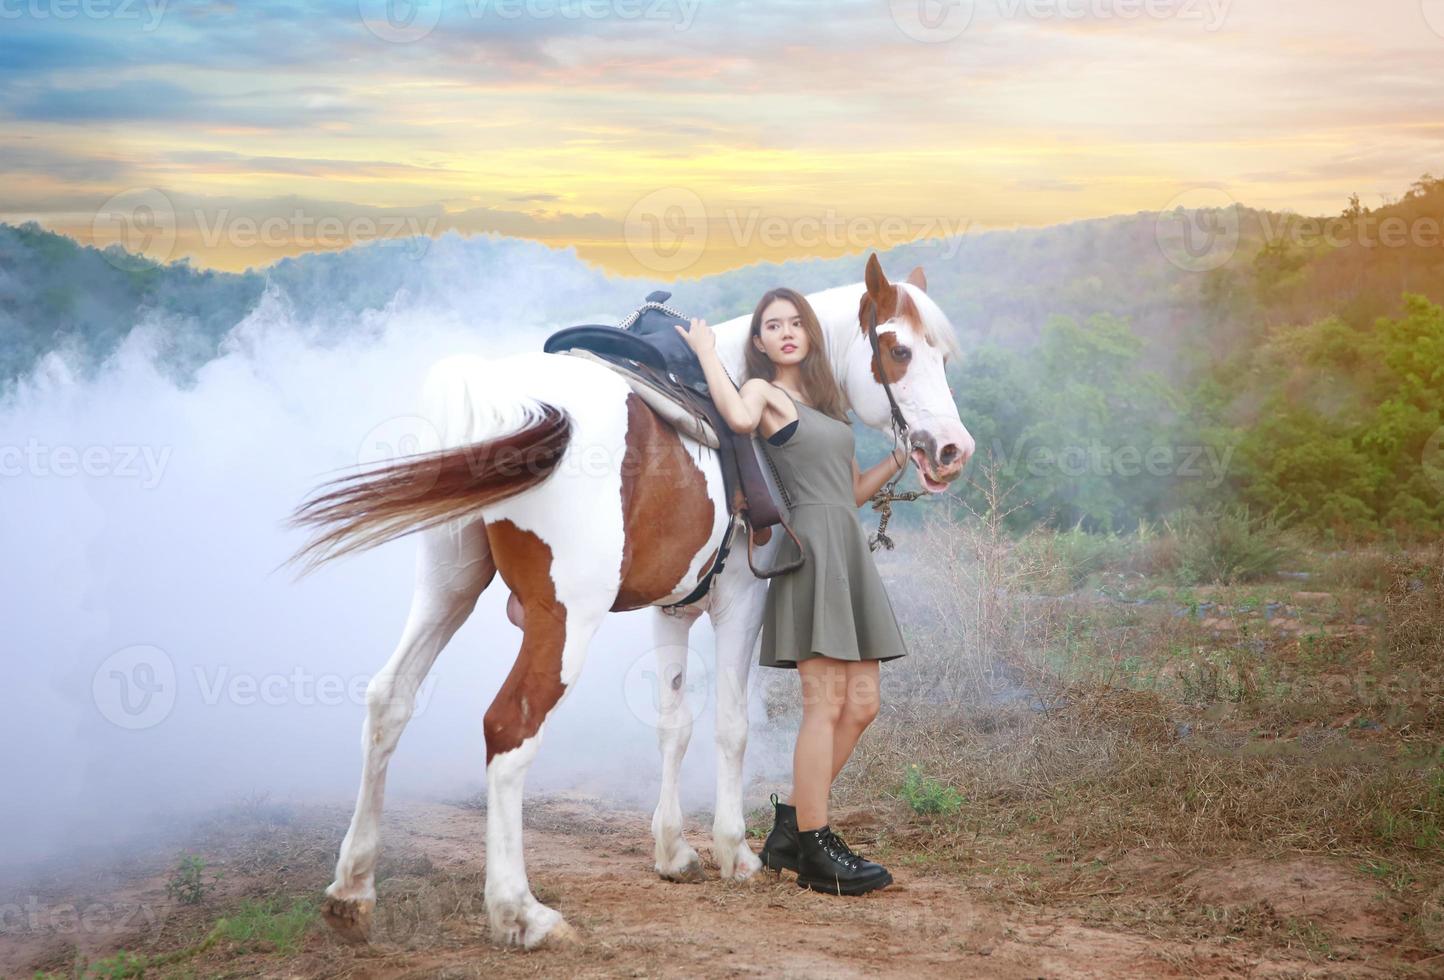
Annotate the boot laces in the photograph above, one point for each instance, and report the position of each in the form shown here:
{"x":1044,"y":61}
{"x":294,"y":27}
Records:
{"x":844,"y":846}
{"x":842,"y":853}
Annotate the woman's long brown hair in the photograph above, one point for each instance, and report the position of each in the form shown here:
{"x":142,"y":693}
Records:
{"x":819,"y":384}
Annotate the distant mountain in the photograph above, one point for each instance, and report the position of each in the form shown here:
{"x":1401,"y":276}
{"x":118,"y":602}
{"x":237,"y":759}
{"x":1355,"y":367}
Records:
{"x":1192,"y":302}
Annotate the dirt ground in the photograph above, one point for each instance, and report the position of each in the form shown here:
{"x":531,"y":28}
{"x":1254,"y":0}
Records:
{"x":593,"y":863}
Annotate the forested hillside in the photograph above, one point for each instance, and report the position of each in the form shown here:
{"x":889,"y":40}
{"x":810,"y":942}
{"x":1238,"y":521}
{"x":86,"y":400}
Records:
{"x":1122,"y":369}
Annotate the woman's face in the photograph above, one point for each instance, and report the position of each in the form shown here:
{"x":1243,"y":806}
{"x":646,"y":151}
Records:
{"x":781,"y":336}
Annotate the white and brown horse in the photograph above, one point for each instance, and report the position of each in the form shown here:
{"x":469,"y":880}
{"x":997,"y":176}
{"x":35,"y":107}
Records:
{"x":554,"y":473}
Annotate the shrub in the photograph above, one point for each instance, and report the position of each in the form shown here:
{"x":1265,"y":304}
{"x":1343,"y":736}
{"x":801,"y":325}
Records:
{"x":926,"y":795}
{"x":187,"y":884}
{"x":1229,"y":545}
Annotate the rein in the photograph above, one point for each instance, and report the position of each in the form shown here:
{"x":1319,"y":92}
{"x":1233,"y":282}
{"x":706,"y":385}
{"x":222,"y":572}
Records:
{"x":887,"y":493}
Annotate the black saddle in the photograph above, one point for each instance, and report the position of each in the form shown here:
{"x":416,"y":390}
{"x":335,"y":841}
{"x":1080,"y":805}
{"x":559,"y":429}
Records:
{"x":648,"y":344}
{"x":648,"y":336}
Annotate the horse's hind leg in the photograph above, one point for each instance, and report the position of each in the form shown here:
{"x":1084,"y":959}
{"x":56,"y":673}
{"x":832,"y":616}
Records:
{"x":675,"y":858}
{"x":453,"y":566}
{"x":559,"y":624}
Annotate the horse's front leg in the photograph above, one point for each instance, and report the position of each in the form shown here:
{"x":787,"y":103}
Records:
{"x":737,"y":619}
{"x":675,"y":858}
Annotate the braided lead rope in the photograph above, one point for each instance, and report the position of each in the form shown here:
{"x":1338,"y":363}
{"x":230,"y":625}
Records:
{"x":882,"y":503}
{"x":651,"y":305}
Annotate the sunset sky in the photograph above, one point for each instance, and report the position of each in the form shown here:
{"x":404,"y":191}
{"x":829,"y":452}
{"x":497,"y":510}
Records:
{"x":684,"y":137}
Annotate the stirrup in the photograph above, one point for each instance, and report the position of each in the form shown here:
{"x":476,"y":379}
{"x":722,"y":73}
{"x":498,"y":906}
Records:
{"x":789,"y":566}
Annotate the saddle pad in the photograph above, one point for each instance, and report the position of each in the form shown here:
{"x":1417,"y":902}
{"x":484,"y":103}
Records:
{"x":676,"y":414}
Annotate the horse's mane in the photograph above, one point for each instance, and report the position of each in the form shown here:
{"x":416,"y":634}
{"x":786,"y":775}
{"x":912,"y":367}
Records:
{"x":937,"y":328}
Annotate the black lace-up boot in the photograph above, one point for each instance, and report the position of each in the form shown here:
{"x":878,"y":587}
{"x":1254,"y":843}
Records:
{"x":780,"y":850}
{"x":827,"y":864}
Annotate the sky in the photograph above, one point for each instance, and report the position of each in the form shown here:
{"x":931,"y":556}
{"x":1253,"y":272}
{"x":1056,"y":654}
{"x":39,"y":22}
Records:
{"x":687,"y":137}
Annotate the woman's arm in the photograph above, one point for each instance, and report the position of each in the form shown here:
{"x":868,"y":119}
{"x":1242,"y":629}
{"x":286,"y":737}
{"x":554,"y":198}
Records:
{"x":864,"y":485}
{"x":741,"y":409}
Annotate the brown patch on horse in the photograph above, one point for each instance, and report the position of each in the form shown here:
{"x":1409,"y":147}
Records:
{"x":666,"y":517}
{"x":707,"y":565}
{"x":890,"y":303}
{"x":413,"y":493}
{"x":534,"y":685}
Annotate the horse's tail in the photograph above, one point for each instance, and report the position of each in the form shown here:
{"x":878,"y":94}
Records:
{"x":362,"y":510}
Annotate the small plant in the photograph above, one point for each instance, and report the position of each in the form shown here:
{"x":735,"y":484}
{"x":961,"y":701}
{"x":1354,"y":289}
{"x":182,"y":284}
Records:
{"x":269,"y":924}
{"x":187,"y":884}
{"x":759,"y":822}
{"x":927,"y":796}
{"x":121,"y":966}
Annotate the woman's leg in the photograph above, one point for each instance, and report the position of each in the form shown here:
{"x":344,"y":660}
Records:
{"x":824,"y":696}
{"x":858,"y":710}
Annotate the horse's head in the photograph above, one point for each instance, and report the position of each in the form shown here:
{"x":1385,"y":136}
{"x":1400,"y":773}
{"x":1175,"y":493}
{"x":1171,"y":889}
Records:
{"x":915,"y":342}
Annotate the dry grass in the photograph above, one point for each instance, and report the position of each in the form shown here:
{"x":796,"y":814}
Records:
{"x":1093,"y":734}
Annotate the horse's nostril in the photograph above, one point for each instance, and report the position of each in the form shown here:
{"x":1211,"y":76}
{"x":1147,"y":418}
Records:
{"x":950,"y":454}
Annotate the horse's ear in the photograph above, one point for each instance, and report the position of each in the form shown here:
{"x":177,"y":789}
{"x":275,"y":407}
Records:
{"x":874,"y":278}
{"x":917,"y":278}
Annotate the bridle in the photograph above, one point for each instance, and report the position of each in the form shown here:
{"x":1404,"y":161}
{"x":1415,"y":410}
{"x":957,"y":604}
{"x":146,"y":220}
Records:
{"x":887,"y":493}
{"x":899,"y":424}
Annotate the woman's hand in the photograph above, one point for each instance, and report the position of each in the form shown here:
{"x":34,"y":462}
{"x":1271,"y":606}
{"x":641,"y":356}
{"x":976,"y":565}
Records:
{"x":700,"y":337}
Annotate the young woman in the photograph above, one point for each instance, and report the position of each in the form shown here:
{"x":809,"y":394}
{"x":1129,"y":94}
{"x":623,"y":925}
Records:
{"x":831,"y":619}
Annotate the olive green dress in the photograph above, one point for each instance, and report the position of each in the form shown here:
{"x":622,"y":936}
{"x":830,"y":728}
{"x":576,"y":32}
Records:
{"x":835,"y":604}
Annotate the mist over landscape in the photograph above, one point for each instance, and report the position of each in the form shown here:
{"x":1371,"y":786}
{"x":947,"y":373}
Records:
{"x":151,"y":554}
{"x":161,"y":421}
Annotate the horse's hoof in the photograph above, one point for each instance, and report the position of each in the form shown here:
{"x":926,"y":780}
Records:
{"x":561,"y":936}
{"x":543,"y":928}
{"x":744,"y":865}
{"x":349,"y":918}
{"x":690,"y":874}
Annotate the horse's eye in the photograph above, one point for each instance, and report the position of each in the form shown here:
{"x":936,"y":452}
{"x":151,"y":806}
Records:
{"x":901,"y":353}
